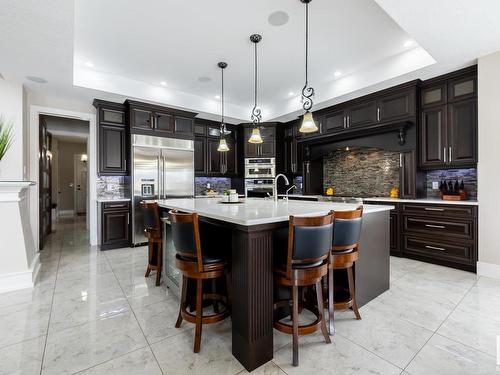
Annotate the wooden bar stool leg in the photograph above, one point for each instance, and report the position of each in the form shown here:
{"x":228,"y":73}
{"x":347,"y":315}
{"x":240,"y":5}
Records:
{"x":158,"y":263}
{"x":295,"y":322}
{"x":331,"y":318}
{"x":150,"y":256}
{"x":183,"y":301}
{"x":350,"y":279}
{"x":215,"y":304}
{"x":321,"y":309}
{"x":199,"y":314}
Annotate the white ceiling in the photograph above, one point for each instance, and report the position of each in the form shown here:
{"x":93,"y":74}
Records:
{"x":136,"y":44}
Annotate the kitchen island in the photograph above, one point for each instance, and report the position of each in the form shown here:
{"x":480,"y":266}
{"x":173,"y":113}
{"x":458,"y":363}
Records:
{"x":249,"y":227}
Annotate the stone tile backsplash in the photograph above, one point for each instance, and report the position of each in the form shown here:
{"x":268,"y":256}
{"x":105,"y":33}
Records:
{"x":113,"y":187}
{"x":361,"y":172}
{"x":218,"y":184}
{"x":469,"y":175}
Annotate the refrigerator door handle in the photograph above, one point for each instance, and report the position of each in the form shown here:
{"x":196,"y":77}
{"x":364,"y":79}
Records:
{"x":160,"y":175}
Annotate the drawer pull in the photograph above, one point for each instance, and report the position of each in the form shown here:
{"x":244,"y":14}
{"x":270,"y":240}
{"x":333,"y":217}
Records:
{"x":435,"y":248}
{"x":116,"y":205}
{"x":435,"y":226}
{"x":434,"y":209}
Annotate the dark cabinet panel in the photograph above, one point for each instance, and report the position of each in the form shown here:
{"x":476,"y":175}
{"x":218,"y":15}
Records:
{"x":163,"y":122}
{"x":183,"y":125}
{"x":438,"y":226}
{"x":112,"y":138}
{"x":200,"y":147}
{"x":231,"y":158}
{"x":141,"y":119}
{"x":433,"y":137}
{"x":115,"y":225}
{"x":397,"y":106}
{"x":363,"y":114}
{"x":462,"y":120}
{"x":334,"y":122}
{"x":112,"y":150}
{"x":200,"y":129}
{"x":213,"y":157}
{"x":433,"y":249}
{"x":462,"y":88}
{"x":433,"y":95}
{"x":266,"y":149}
{"x":408,"y":175}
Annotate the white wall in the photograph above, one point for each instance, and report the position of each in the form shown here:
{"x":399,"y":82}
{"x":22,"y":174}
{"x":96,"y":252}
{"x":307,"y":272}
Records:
{"x":488,"y":166}
{"x":11,"y":107}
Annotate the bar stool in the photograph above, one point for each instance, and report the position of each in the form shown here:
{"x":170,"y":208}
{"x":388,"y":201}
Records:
{"x":346,"y":234}
{"x":152,"y":231}
{"x":309,"y":246}
{"x":193,"y":263}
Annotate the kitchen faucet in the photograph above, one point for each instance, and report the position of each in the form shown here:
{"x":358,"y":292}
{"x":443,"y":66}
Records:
{"x":275,"y":186}
{"x":288,"y":191}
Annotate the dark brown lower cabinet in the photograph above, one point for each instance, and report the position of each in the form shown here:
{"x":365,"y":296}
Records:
{"x":115,"y":225}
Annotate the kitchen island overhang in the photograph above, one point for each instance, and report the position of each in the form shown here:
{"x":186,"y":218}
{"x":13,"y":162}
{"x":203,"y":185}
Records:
{"x":250,"y":226}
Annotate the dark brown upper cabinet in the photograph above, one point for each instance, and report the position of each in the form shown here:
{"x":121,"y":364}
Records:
{"x":112,"y":138}
{"x":448,"y":132}
{"x":398,"y":106}
{"x":433,"y":95}
{"x":462,"y":132}
{"x":207,"y":160}
{"x":159,"y":121}
{"x":363,"y":114}
{"x":265,"y":149}
{"x":433,"y":136}
{"x":334,"y":122}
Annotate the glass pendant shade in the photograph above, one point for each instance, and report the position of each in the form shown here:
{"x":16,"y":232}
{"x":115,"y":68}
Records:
{"x":223,"y":147}
{"x":308,"y":124}
{"x":255,"y":137}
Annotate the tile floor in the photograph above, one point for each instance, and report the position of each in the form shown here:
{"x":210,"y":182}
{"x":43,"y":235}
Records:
{"x":94,"y":313}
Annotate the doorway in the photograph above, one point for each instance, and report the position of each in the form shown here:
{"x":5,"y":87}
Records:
{"x":63,"y":159}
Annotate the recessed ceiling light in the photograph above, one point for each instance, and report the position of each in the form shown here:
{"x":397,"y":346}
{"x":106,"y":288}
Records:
{"x":408,"y":43}
{"x":291,"y":93}
{"x":278,"y":18}
{"x":337,"y":74}
{"x":163,"y":83}
{"x":204,"y":79}
{"x":36,"y":79}
{"x":217,"y":96}
{"x":89,"y":64}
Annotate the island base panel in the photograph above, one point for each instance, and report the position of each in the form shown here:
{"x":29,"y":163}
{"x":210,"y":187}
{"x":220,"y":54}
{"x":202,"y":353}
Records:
{"x":252,"y":300}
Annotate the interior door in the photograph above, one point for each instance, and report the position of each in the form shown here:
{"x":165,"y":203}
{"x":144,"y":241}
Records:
{"x":45,"y":185}
{"x":178,"y":173}
{"x":80,"y":184}
{"x":146,"y":185}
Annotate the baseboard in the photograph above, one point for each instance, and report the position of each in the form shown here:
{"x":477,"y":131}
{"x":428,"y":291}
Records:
{"x":20,"y":280}
{"x":488,"y":269}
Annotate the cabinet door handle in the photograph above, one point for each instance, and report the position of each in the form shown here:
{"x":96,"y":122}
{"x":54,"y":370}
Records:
{"x":348,"y":121}
{"x":435,"y":226}
{"x":449,"y":155}
{"x":435,"y":248}
{"x":444,"y":154}
{"x":434,"y":209}
{"x":378,"y":114}
{"x":400,"y":160}
{"x":152,"y":122}
{"x":115,"y":206}
{"x":128,"y":219}
{"x":345,"y":121}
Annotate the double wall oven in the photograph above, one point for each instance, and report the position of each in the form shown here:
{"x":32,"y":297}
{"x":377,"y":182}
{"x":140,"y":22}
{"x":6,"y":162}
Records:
{"x":259,"y":177}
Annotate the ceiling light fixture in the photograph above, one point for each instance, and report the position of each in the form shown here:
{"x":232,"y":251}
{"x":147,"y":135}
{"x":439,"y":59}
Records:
{"x":337,"y":74}
{"x":89,"y":64}
{"x":217,"y":97}
{"x":163,"y":83}
{"x":256,"y":112}
{"x":408,"y":43}
{"x":291,"y":93}
{"x":308,"y":124}
{"x":223,"y":147}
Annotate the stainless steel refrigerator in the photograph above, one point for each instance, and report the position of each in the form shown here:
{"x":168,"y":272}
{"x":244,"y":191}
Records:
{"x":162,"y":168}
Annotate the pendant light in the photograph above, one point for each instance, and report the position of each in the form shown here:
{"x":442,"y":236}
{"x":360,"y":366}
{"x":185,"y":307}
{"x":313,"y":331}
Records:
{"x":256,"y":112}
{"x":308,"y":124}
{"x":223,"y":147}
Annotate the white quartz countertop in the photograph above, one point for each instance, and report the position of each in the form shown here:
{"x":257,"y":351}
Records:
{"x":255,"y":211}
{"x":428,"y":201}
{"x":103,"y":200}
